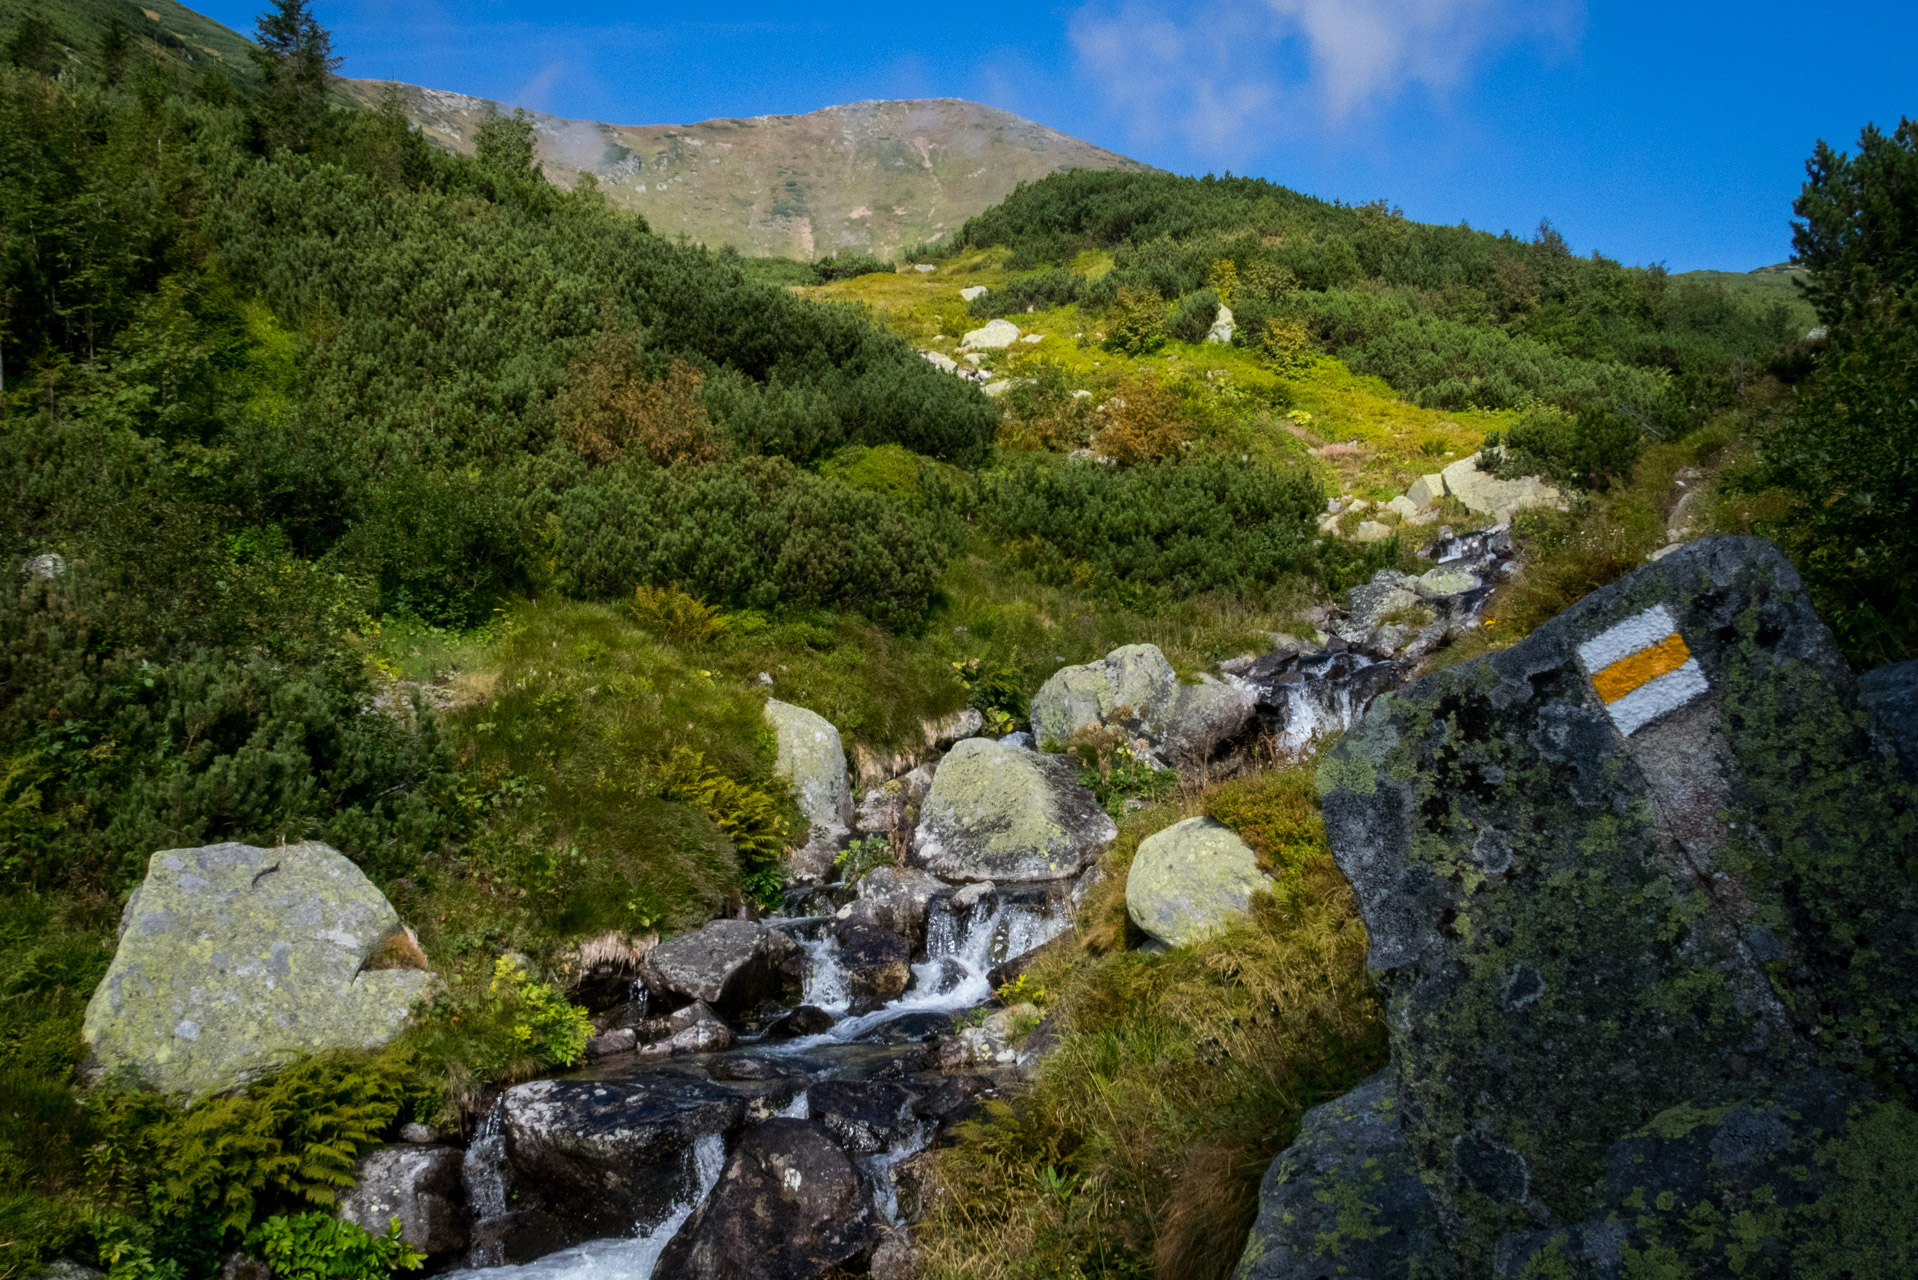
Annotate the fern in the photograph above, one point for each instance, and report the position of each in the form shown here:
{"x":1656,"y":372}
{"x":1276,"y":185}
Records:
{"x":750,"y":816}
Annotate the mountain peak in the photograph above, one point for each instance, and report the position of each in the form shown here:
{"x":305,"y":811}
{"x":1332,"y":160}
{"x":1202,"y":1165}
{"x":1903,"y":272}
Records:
{"x":871,"y":177}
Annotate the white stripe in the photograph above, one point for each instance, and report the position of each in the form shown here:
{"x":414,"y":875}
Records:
{"x":1655,"y":697}
{"x":1641,"y":631}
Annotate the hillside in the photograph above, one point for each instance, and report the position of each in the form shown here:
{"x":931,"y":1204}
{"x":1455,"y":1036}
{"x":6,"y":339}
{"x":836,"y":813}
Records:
{"x":163,"y":31}
{"x":873,"y":177}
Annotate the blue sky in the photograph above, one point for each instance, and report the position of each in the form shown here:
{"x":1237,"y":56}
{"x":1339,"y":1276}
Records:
{"x":1667,"y":132}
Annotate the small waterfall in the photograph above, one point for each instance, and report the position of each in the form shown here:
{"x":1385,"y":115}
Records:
{"x":632,"y":1258}
{"x":484,"y":1172}
{"x":800,"y":1108}
{"x":825,"y":983}
{"x":879,"y":1166}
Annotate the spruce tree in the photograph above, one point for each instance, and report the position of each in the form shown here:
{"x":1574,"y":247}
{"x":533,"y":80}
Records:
{"x":295,"y":56}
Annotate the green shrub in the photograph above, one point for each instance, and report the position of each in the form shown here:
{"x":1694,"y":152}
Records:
{"x":845,"y":265}
{"x":1593,"y":450}
{"x":861,"y":856}
{"x":318,"y":1246}
{"x":1042,"y":291}
{"x":752,"y":817}
{"x":520,"y":1026}
{"x":1192,"y":317}
{"x":1135,"y":322}
{"x":1208,"y":524}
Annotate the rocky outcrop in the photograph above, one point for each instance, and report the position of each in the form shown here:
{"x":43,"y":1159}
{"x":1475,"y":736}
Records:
{"x":1223,"y":326}
{"x":812,"y":759}
{"x":419,"y":1185}
{"x":1486,"y":495}
{"x":1189,"y":879}
{"x":233,"y":960}
{"x":732,"y":965}
{"x":1135,"y":689}
{"x":1637,"y":872}
{"x":1345,"y":1199}
{"x":789,"y":1206}
{"x":1002,"y":813}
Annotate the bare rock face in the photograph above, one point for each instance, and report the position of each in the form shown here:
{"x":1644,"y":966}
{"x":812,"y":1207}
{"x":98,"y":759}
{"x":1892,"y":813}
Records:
{"x":234,"y":960}
{"x":1650,"y":863}
{"x":419,"y":1185}
{"x":790,"y":1206}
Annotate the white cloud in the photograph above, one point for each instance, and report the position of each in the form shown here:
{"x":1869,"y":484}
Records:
{"x":1230,"y":67}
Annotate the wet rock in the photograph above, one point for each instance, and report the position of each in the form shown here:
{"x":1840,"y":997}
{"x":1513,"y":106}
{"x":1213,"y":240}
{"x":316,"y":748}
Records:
{"x":577,"y":1159}
{"x":899,"y":898}
{"x":729,"y":964}
{"x":896,"y":1258}
{"x":608,"y":1043}
{"x":418,"y":1185}
{"x":604,"y":969}
{"x":789,"y":1206}
{"x":999,"y":813}
{"x":1649,"y":854}
{"x":806,"y":1020}
{"x":1890,"y":695}
{"x":864,"y":1116}
{"x":946,"y":974}
{"x":948,"y":1099}
{"x":911,"y":1028}
{"x":233,"y":960}
{"x":1010,"y":969}
{"x":694,"y":1029}
{"x":739,"y":1066}
{"x":1189,"y":879}
{"x":877,"y":964}
{"x":1135,"y":689}
{"x":813,"y":760}
{"x":1345,"y":1198}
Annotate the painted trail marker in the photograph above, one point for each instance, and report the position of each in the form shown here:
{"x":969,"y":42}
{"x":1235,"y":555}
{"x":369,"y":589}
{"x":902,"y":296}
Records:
{"x":1641,"y":669}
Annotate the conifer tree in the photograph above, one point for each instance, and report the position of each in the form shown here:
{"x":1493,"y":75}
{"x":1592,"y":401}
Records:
{"x":295,"y":56}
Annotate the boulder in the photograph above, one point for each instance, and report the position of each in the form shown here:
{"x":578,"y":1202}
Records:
{"x":1000,"y":813}
{"x":1425,"y":491}
{"x":993,"y":1043}
{"x":729,"y":964}
{"x":1135,"y":689}
{"x":1441,"y":583}
{"x":421,"y":1186}
{"x":1488,"y":495}
{"x":895,"y":1258}
{"x":1222,"y":326}
{"x":790,"y":1205}
{"x":864,"y":1116}
{"x":1646,"y":858}
{"x":1890,"y":695}
{"x":1189,"y":879}
{"x":996,"y":333}
{"x":234,"y":960}
{"x":694,"y":1029}
{"x":813,"y":761}
{"x":943,"y":363}
{"x":806,"y":1020}
{"x":1372,"y":531}
{"x":898,"y":899}
{"x":876,"y":962}
{"x":972,"y":291}
{"x":1345,"y":1199}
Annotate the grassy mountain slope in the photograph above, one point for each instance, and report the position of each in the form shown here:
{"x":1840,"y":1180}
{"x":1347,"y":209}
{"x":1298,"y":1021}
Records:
{"x":869,"y":176}
{"x":163,"y":31}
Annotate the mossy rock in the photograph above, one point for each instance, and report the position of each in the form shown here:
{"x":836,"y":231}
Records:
{"x":1648,"y":855}
{"x":1188,"y":880}
{"x":234,"y":960}
{"x":813,"y":760}
{"x":1007,"y":814}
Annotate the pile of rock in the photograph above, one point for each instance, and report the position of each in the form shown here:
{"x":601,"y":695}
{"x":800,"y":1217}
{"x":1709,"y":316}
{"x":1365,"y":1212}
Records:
{"x":1479,"y":492}
{"x":1639,"y":895}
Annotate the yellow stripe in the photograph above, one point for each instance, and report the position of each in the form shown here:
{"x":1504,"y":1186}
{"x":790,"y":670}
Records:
{"x":1643,"y":667}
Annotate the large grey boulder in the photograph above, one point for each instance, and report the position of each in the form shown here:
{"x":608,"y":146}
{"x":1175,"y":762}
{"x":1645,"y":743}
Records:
{"x":1135,"y":689}
{"x":876,"y":962}
{"x":813,"y":760}
{"x":1345,"y":1199}
{"x":419,"y":1185}
{"x":1645,"y":859}
{"x":729,"y":964}
{"x":234,"y":960}
{"x":896,"y":898}
{"x":790,"y":1205}
{"x":991,"y":335}
{"x":1890,"y":694}
{"x":1487,"y":495}
{"x":1002,"y":813}
{"x":1188,"y":880}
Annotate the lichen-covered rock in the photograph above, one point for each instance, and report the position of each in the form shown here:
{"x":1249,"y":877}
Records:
{"x":897,"y":898}
{"x":1814,"y":1175}
{"x":1642,"y":857}
{"x":1189,"y":879}
{"x":1487,"y":495}
{"x":1890,"y":694}
{"x":1135,"y":688}
{"x":994,"y":333}
{"x":789,"y":1206}
{"x":694,"y":1029}
{"x":419,"y":1185}
{"x":729,"y":964}
{"x":1345,"y":1199}
{"x":813,"y":760}
{"x":234,"y":960}
{"x":1001,"y":813}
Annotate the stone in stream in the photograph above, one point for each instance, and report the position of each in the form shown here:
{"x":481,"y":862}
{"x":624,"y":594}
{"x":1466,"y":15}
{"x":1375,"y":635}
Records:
{"x":234,"y":960}
{"x":577,"y":1159}
{"x":1650,"y":861}
{"x":1001,"y":813}
{"x":730,"y":964}
{"x":806,"y":1020}
{"x":419,"y":1185}
{"x":694,"y":1029}
{"x":1189,"y":879}
{"x":813,"y":760}
{"x":911,"y":1028}
{"x":790,"y":1205}
{"x":1135,"y":689}
{"x":1345,"y":1198}
{"x":896,"y":898}
{"x":865,"y":1116}
{"x":877,"y":964}
{"x":948,"y":1099}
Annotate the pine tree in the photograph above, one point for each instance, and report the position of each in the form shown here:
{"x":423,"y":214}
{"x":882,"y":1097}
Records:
{"x":295,"y":56}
